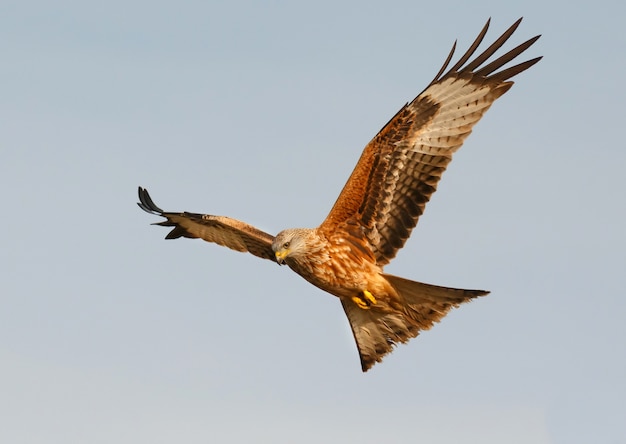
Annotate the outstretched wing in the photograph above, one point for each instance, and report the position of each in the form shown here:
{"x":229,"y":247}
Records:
{"x":400,"y":168}
{"x":221,"y":230}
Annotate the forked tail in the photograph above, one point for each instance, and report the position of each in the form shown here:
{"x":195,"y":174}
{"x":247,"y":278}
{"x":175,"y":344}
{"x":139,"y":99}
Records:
{"x":378,"y":329}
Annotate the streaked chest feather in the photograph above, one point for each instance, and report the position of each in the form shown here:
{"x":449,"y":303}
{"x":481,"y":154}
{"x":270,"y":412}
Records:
{"x":341,"y":268}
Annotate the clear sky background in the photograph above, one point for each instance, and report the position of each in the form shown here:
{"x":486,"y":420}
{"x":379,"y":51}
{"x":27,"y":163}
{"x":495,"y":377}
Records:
{"x":259,"y":111}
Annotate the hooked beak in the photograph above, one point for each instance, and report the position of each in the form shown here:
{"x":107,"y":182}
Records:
{"x":280,"y":256}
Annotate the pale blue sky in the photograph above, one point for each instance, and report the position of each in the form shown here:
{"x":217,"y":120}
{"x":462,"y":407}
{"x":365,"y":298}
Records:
{"x":109,"y":334}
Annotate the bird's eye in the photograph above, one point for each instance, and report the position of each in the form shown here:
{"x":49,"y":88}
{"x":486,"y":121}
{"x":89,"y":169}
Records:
{"x":286,"y":245}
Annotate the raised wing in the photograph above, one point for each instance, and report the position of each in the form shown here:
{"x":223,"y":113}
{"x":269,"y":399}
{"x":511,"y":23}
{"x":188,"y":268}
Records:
{"x":400,"y":168}
{"x":221,"y":230}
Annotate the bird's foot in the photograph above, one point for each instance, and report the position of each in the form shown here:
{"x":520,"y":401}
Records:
{"x":364,"y":300}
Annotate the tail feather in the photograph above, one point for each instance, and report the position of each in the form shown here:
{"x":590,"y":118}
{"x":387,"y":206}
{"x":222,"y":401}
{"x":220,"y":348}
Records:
{"x":418,"y":292}
{"x":388,"y":323}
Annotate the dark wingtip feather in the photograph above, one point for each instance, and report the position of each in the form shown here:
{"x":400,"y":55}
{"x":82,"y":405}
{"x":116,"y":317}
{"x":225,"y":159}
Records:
{"x":501,"y":61}
{"x":487,"y":53}
{"x":508,"y":73}
{"x":472,"y":49}
{"x":487,"y":71}
{"x":445,"y":64}
{"x":147,"y":204}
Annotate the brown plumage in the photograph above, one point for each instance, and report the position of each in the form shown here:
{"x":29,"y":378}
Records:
{"x":379,"y":206}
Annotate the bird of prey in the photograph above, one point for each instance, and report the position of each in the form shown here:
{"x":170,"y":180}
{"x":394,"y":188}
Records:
{"x":379,"y":206}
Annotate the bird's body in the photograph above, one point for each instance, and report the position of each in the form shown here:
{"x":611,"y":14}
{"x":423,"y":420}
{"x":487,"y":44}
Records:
{"x":378,"y":208}
{"x":330,"y":263}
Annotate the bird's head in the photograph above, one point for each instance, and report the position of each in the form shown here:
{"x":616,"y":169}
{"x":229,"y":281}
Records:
{"x":289,"y":244}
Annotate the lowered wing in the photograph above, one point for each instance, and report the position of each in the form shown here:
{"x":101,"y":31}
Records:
{"x":221,"y":230}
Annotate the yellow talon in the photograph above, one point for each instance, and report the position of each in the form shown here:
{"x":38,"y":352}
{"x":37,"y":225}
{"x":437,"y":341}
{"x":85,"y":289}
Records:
{"x":360,"y":302}
{"x":370,"y":297}
{"x":366,"y":301}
